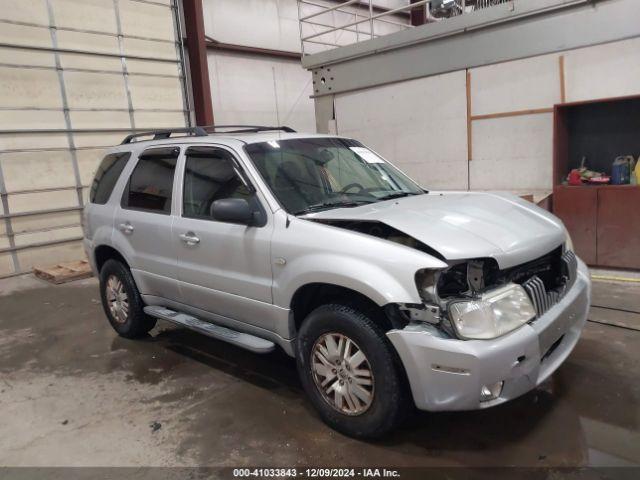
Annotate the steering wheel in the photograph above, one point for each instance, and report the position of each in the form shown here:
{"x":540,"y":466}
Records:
{"x":351,"y":186}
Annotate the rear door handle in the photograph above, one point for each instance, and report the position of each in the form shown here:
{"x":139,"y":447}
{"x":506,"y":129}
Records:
{"x":126,"y":228}
{"x":189,"y":238}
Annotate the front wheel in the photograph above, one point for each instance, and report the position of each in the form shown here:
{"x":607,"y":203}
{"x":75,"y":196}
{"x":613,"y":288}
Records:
{"x":350,"y":371}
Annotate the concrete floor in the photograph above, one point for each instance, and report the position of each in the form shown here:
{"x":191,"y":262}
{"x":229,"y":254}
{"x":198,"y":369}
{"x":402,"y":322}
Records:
{"x":73,"y":393}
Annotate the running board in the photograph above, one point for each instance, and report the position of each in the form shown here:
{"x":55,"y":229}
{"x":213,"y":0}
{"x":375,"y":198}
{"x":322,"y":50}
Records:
{"x":243,"y":340}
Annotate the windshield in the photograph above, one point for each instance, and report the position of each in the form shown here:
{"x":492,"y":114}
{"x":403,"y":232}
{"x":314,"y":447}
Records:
{"x":313,"y":174}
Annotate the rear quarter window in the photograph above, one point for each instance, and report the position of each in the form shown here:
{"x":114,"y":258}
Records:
{"x":106,"y":177}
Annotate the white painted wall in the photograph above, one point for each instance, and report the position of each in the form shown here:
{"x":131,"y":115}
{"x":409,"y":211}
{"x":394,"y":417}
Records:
{"x":260,"y":90}
{"x":258,"y":23}
{"x":419,"y":125}
{"x":514,"y":153}
{"x":254,"y":88}
{"x":425,"y":132}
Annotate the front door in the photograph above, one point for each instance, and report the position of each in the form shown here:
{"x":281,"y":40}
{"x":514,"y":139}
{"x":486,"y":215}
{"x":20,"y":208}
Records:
{"x":143,"y":223}
{"x":223,"y":268}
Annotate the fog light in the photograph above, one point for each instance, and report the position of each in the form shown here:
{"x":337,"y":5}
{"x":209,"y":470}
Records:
{"x":491,"y":392}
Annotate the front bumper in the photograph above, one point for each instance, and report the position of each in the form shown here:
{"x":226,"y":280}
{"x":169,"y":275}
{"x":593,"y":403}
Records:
{"x":448,"y":374}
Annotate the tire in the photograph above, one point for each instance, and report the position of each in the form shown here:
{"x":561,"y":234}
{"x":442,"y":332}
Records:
{"x":130,"y":322}
{"x":389,"y":396}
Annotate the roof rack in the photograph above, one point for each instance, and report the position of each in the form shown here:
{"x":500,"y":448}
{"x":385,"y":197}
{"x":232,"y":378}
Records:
{"x":247,"y":128}
{"x":204,"y":131}
{"x":162,"y":134}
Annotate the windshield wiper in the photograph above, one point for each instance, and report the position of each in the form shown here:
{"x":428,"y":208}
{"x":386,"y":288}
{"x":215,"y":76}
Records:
{"x":327,"y":206}
{"x":391,"y":196}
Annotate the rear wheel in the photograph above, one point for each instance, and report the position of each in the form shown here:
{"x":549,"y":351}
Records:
{"x":122,"y":302}
{"x":351,"y":372}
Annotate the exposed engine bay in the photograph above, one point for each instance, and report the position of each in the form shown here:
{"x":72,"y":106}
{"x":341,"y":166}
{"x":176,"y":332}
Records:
{"x":475,"y":276}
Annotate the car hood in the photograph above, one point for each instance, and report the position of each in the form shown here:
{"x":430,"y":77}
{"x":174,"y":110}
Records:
{"x":466,"y":225}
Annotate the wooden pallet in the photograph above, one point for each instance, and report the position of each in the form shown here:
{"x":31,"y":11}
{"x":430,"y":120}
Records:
{"x":64,"y":272}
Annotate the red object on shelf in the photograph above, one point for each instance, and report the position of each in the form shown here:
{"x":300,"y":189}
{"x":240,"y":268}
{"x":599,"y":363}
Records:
{"x":574,"y":177}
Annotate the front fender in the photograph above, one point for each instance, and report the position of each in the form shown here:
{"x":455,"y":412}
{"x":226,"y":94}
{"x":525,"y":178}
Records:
{"x":307,"y":252}
{"x":348,"y":272}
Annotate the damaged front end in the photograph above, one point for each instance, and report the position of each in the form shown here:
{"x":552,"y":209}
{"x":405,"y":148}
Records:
{"x":475,"y":299}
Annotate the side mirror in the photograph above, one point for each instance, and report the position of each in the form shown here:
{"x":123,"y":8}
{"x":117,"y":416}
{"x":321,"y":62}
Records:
{"x":232,"y":210}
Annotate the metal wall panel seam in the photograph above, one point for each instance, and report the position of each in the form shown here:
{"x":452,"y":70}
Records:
{"x":186,"y":98}
{"x":79,"y":130}
{"x":45,"y":109}
{"x":65,"y":106}
{"x":86,"y":70}
{"x":42,"y":190}
{"x":62,"y":226}
{"x":125,"y":73}
{"x":54,"y":149}
{"x":82,"y":30}
{"x":40,"y":212}
{"x":7,"y":221}
{"x":151,"y":2}
{"x":40,"y":245}
{"x":86,"y":52}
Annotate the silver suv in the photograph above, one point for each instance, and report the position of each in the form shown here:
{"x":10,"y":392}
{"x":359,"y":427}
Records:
{"x":387,"y":295}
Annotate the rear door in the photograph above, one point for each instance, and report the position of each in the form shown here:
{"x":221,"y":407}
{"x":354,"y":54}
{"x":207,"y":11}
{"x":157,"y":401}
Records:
{"x":143,"y":223}
{"x":98,"y":213}
{"x":224,"y":268}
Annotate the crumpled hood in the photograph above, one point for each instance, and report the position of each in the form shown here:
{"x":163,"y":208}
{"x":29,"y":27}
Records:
{"x":465,"y":225}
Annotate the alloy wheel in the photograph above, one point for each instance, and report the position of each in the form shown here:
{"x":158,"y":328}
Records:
{"x":117,"y":299}
{"x":342,"y":374}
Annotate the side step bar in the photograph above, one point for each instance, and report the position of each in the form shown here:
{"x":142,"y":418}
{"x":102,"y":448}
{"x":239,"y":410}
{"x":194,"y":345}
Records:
{"x":243,"y":340}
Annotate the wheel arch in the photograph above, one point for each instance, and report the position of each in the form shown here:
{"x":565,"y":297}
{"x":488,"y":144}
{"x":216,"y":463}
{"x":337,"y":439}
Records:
{"x":310,"y":296}
{"x":102,"y":253}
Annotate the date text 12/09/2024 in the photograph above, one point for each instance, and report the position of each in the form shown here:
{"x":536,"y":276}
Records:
{"x":315,"y":473}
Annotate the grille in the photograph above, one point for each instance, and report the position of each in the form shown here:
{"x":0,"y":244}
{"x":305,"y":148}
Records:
{"x":570,"y":263}
{"x":543,"y":299}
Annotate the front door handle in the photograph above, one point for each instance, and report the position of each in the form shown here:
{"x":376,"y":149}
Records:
{"x":126,"y":228}
{"x":189,"y":238}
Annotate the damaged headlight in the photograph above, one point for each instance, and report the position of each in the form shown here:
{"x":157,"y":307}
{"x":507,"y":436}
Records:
{"x":494,"y":314}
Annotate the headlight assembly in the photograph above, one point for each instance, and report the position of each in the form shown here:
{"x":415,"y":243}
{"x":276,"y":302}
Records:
{"x":494,"y":314}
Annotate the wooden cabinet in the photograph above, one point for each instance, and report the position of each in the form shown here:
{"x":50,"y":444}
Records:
{"x":604,"y":221}
{"x":618,"y":227}
{"x":577,"y":207}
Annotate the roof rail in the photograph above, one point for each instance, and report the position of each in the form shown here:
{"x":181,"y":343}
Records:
{"x":247,"y":128}
{"x":204,"y":131}
{"x":162,"y":134}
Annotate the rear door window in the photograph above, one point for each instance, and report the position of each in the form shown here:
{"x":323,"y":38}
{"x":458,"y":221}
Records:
{"x":150,"y":186}
{"x":106,"y":177}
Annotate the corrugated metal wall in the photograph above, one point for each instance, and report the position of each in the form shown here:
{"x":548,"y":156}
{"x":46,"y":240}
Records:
{"x":75,"y":75}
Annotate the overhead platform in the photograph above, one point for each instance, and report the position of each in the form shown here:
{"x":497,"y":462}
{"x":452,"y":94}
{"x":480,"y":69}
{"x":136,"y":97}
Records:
{"x":481,"y":38}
